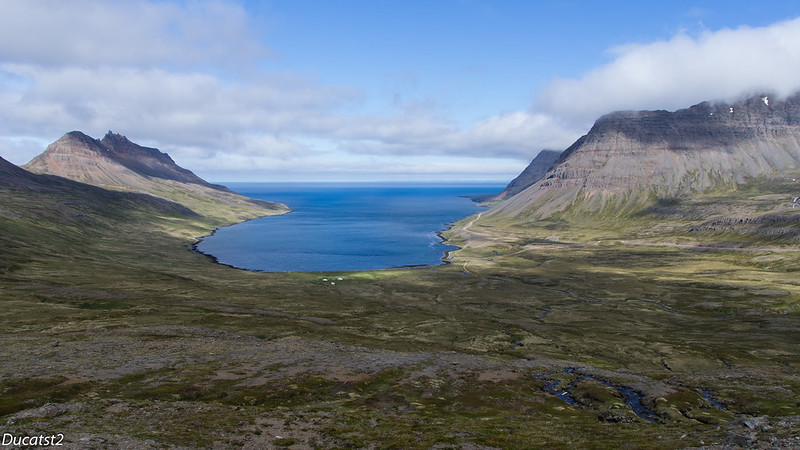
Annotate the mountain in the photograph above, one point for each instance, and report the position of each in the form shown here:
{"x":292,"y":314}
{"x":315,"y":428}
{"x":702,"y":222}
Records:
{"x":112,"y":162}
{"x":15,"y":180}
{"x":630,"y":158}
{"x":47,"y":216}
{"x":117,"y":163}
{"x":535,"y":171}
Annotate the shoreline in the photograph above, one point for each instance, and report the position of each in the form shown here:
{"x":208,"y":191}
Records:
{"x":193,"y":247}
{"x":446,"y":258}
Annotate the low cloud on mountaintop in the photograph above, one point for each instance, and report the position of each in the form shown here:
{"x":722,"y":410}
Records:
{"x":721,"y":65}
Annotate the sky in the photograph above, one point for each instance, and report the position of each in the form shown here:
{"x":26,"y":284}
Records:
{"x":372,"y":90}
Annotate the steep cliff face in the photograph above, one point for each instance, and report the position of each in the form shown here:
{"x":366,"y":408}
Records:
{"x":632,"y":156}
{"x":119,"y":164}
{"x":535,"y":171}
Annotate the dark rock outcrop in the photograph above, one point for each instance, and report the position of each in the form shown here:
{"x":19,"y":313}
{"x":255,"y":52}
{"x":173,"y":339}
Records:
{"x":631,"y":157}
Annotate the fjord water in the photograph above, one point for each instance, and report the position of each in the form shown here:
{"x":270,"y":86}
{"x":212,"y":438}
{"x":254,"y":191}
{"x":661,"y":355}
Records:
{"x":345,"y":227}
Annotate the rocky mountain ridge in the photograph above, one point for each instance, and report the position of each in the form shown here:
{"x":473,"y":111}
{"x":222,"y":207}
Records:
{"x":112,"y":161}
{"x":116,"y":163}
{"x":631,"y":157}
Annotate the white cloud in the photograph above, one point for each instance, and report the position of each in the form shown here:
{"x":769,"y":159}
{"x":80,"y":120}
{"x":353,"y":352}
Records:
{"x":18,"y":149}
{"x":683,"y":71}
{"x":332,"y":167}
{"x":93,"y":33}
{"x":672,"y":74}
{"x":185,"y":77}
{"x":519,"y":133}
{"x":512,"y":135}
{"x":139,"y":68}
{"x":182,"y":108}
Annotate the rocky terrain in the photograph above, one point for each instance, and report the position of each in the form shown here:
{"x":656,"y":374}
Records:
{"x":631,"y":158}
{"x":117,"y":163}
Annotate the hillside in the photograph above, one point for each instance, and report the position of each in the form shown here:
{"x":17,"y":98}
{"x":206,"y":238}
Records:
{"x":630,"y":159}
{"x":119,"y":164}
{"x":11,"y":174}
{"x":47,"y":216}
{"x":43,"y":191}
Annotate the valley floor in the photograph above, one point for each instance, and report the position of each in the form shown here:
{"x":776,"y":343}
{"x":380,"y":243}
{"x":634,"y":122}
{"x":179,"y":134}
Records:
{"x":665,"y":332}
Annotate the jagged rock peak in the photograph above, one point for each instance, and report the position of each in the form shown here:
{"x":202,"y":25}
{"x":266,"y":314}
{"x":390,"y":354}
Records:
{"x":112,"y":140}
{"x":111,"y":135}
{"x":118,"y":142}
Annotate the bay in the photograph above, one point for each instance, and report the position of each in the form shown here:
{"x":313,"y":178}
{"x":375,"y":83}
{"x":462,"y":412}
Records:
{"x":345,"y":227}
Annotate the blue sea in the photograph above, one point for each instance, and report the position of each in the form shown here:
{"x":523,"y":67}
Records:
{"x":345,"y":227}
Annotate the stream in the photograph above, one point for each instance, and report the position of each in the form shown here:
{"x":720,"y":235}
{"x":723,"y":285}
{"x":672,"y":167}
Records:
{"x":632,"y":398}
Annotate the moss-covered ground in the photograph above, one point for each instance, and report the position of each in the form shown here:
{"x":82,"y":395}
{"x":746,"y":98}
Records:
{"x":115,"y":333}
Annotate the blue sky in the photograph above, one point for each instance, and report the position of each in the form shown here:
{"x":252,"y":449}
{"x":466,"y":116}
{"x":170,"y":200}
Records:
{"x":297,"y":90}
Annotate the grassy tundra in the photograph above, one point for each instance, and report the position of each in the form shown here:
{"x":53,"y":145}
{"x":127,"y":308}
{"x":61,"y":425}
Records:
{"x":115,"y":333}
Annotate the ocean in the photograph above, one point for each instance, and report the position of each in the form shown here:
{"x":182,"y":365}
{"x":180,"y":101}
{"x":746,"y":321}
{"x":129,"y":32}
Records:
{"x":345,"y":227}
